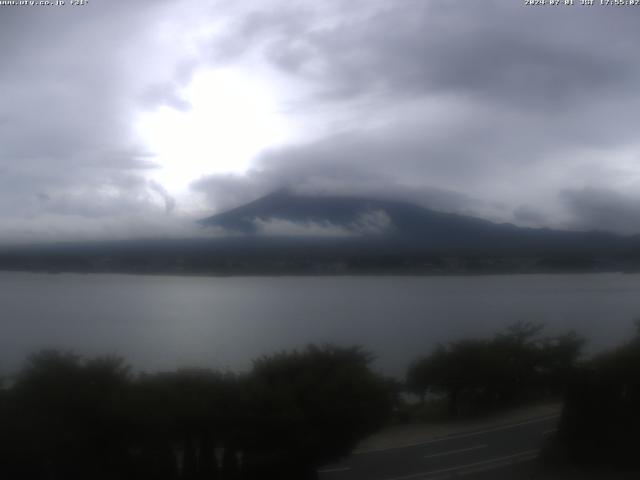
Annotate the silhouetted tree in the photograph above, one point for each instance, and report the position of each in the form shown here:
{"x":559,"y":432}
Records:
{"x":69,"y":418}
{"x":558,"y":363}
{"x":312,"y":407}
{"x":477,"y":374}
{"x":600,"y":421}
{"x":181,"y":418}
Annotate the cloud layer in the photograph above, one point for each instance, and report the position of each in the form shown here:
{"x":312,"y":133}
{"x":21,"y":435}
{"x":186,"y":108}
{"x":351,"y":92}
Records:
{"x":488,"y":108}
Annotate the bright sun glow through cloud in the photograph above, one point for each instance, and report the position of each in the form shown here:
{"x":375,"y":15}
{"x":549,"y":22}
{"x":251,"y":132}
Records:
{"x":231,"y":120}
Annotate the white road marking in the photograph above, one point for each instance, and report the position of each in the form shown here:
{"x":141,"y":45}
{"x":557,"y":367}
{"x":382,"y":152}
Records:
{"x":496,"y":465}
{"x":484,"y":465}
{"x":451,"y":452}
{"x":334,"y":470}
{"x":456,"y":436}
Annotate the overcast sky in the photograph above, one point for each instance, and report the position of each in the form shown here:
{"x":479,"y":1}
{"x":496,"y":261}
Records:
{"x":128,"y":118}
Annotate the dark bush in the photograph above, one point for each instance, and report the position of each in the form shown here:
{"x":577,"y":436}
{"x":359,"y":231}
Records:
{"x":600,"y":423}
{"x":67,"y":418}
{"x":477,"y":375}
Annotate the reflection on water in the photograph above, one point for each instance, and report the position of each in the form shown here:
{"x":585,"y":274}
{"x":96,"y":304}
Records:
{"x":162,"y":322}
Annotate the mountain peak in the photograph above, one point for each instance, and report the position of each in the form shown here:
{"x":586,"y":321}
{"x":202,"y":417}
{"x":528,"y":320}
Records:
{"x":402,"y":224}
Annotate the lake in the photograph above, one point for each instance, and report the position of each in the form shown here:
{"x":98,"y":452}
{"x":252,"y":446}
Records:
{"x":162,"y":322}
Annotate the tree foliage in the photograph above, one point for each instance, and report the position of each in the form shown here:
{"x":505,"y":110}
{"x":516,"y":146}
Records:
{"x":600,"y":422}
{"x":477,"y":374}
{"x":318,"y":403}
{"x":69,"y":418}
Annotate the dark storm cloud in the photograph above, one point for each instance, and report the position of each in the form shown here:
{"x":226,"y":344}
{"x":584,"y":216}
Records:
{"x":490,"y":108}
{"x":504,"y":104}
{"x":603,"y":209}
{"x":496,"y":49}
{"x":340,"y":165}
{"x":528,"y":215}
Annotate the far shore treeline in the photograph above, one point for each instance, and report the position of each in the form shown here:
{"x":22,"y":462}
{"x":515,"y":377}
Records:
{"x":65,"y":417}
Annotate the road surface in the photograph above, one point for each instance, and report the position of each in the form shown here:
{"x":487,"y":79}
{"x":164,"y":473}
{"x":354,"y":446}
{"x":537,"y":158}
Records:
{"x":497,"y":452}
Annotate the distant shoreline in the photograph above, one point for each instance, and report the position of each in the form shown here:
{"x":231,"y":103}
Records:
{"x":381,"y":274}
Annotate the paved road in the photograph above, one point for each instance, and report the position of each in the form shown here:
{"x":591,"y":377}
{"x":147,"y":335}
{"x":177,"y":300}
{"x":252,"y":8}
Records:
{"x":507,"y":451}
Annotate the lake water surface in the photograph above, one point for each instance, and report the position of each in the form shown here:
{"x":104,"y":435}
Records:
{"x":162,"y":322}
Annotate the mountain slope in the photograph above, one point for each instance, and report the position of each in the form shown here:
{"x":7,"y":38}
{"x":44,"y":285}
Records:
{"x":368,"y":236}
{"x":413,"y":228}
